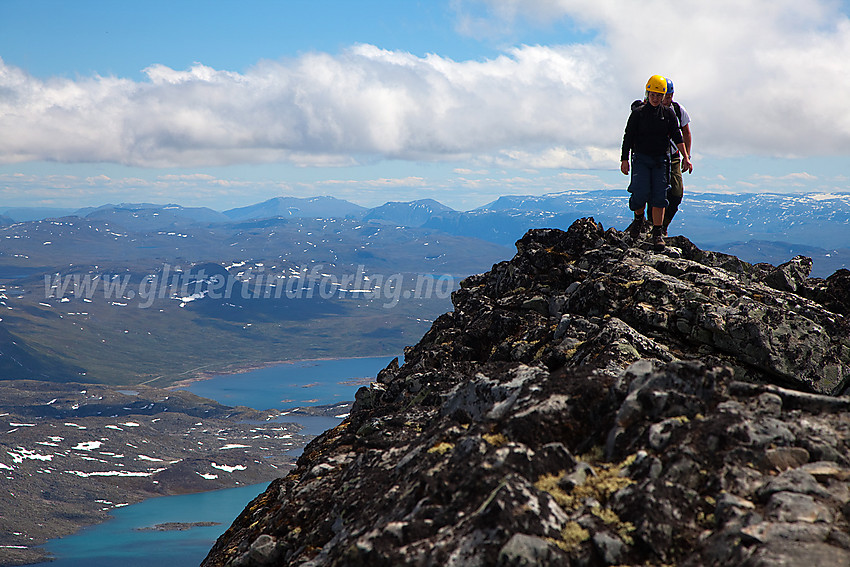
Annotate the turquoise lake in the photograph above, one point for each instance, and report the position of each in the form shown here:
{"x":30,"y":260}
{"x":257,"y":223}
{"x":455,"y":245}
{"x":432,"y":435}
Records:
{"x":293,"y":384}
{"x":120,"y":543}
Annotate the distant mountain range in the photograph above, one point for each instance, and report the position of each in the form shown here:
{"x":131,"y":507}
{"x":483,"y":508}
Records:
{"x":757,"y":227}
{"x":140,"y":292}
{"x":313,"y":207}
{"x":414,"y":213}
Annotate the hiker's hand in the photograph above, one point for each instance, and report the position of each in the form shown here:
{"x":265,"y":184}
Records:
{"x":624,"y":166}
{"x":687,"y":165}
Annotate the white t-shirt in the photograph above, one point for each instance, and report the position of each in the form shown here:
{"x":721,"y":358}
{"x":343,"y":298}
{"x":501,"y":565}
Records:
{"x":684,"y":121}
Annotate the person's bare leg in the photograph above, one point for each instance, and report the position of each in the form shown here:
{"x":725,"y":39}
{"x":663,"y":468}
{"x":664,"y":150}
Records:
{"x":657,"y":216}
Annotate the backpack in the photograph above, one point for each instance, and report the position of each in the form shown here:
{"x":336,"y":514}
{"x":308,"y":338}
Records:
{"x":676,"y":108}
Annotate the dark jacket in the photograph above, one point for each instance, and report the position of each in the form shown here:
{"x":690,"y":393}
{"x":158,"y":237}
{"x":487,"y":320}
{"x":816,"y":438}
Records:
{"x":649,"y":130}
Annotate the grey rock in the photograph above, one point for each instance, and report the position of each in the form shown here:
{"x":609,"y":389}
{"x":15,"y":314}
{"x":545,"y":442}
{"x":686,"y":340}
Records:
{"x":524,"y":550}
{"x":731,"y":507}
{"x":660,"y":433}
{"x":783,"y":458}
{"x":793,"y":507}
{"x":609,"y":548}
{"x":770,"y":404}
{"x":790,"y":275}
{"x":797,"y":481}
{"x":773,"y":532}
{"x":264,"y":550}
{"x":764,"y":431}
{"x":793,"y":554}
{"x":577,"y":477}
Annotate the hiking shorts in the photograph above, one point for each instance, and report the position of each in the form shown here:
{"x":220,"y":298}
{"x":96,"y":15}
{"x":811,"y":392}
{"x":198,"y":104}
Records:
{"x":677,"y":187}
{"x":649,"y":182}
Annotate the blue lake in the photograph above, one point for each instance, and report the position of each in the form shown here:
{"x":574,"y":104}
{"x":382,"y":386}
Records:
{"x":293,"y":384}
{"x":119,"y":542}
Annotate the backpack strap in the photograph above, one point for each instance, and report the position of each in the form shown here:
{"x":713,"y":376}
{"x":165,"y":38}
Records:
{"x":678,"y":110}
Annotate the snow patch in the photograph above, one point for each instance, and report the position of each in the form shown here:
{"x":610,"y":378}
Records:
{"x":87,"y":446}
{"x":113,"y":473}
{"x":21,"y":454}
{"x":226,"y":468}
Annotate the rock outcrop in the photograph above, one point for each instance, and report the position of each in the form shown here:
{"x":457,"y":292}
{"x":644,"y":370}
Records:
{"x":589,"y":403}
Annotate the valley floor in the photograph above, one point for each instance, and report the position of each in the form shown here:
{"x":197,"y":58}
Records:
{"x":71,"y":453}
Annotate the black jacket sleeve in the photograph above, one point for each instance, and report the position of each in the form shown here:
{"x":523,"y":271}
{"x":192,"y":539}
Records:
{"x":629,"y":135}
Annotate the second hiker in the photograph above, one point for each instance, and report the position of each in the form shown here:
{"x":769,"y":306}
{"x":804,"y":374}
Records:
{"x":677,"y":186}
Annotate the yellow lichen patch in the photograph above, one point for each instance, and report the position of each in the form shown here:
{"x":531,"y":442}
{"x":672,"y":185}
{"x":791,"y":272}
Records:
{"x":599,"y":486}
{"x":554,"y":252}
{"x":441,"y":448}
{"x":572,"y":536}
{"x":611,"y":519}
{"x":549,"y":483}
{"x":633,"y":283}
{"x":541,"y":351}
{"x":705,"y":520}
{"x":570,"y":352}
{"x":495,"y":439}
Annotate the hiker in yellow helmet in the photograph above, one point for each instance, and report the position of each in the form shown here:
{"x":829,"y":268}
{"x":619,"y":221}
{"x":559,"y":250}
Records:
{"x":649,"y":130}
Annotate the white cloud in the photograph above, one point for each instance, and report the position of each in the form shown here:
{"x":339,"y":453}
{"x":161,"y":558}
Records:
{"x":397,"y":182}
{"x":765,"y":77}
{"x":790,"y":177}
{"x":558,"y":157}
{"x":318,"y":110}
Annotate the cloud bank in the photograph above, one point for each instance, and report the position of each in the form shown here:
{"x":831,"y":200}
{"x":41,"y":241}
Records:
{"x":766,"y":78}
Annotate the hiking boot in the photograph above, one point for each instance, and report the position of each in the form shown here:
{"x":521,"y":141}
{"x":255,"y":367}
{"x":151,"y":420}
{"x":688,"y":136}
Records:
{"x":663,"y":230}
{"x":657,"y":239}
{"x":636,"y":228}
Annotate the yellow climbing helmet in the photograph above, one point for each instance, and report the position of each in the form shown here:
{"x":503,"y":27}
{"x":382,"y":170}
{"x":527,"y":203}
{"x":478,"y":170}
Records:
{"x":656,"y":84}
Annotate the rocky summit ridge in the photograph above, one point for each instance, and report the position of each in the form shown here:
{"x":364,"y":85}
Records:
{"x":589,"y":402}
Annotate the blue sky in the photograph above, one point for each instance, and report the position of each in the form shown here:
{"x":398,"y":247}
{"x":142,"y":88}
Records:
{"x":225,"y":104}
